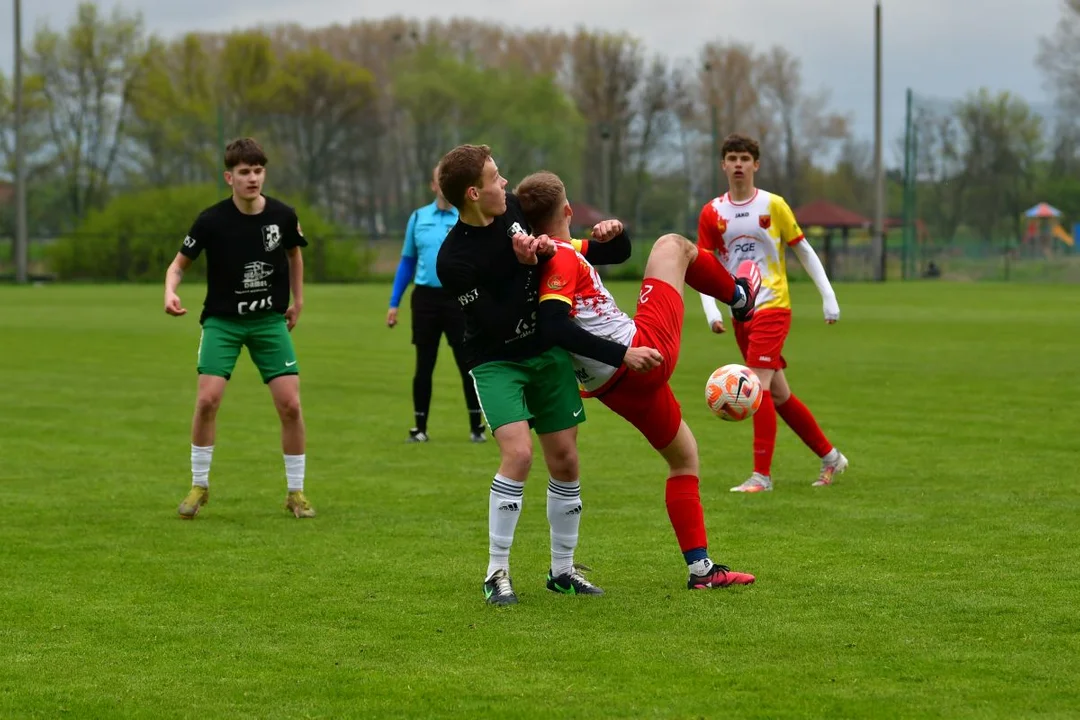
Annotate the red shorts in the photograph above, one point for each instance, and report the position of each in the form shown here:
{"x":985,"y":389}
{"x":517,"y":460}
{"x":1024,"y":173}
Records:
{"x":645,"y":400}
{"x":762,"y":339}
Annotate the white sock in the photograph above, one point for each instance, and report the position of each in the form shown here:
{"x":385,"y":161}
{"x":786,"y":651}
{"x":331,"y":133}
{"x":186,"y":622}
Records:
{"x":564,"y":516}
{"x":504,"y":509}
{"x":200,"y":465}
{"x":701,"y":567}
{"x":831,"y":456}
{"x":294,"y":472}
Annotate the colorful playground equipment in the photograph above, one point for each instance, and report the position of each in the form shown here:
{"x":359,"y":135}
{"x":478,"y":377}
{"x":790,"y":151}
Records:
{"x":1044,"y":226}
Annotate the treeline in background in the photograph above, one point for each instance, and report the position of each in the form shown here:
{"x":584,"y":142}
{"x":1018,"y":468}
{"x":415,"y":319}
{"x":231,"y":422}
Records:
{"x":125,"y":132}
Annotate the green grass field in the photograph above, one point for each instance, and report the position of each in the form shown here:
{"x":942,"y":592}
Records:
{"x":939,"y":578}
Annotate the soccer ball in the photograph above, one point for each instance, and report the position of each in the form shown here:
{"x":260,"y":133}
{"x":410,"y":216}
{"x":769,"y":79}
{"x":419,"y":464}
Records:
{"x":733,"y":392}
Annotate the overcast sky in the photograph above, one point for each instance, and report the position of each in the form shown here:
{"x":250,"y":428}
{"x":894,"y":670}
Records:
{"x":938,"y":47}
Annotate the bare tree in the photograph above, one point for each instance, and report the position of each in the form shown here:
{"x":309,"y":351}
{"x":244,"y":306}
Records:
{"x":651,"y":124}
{"x":314,"y":103}
{"x":1002,"y":140}
{"x":172,"y":130}
{"x":1059,"y":59}
{"x":87,"y":76}
{"x":605,"y":70}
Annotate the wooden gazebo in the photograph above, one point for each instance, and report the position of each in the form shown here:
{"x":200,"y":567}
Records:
{"x":830,"y":217}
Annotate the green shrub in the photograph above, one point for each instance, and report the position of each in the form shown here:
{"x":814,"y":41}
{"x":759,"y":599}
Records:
{"x":137,"y":235}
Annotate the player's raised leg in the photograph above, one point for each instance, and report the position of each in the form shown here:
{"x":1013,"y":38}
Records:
{"x":799,"y":418}
{"x":676,"y":260}
{"x":683,"y":499}
{"x":669,"y":260}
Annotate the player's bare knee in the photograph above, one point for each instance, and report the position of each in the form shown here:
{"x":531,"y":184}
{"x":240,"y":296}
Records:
{"x":675,"y":244}
{"x":682,"y":453}
{"x":562,"y":464}
{"x":516,"y":460}
{"x":207,"y":402}
{"x":561,"y":454}
{"x":780,"y":392}
{"x":765,"y":376}
{"x":288,"y":407}
{"x":515,"y":450}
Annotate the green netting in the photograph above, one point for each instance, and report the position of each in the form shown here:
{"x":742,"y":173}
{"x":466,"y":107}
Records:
{"x":972,"y":167}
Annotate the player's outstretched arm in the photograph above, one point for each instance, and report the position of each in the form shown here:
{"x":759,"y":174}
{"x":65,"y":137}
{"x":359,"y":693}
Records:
{"x":713,"y":316}
{"x":173,"y":276}
{"x":296,"y":286}
{"x":559,"y":329}
{"x":809,"y":259}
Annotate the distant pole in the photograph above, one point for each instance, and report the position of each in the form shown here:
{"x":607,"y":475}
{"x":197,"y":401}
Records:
{"x":916,"y":252}
{"x":220,"y":148}
{"x":715,"y":152}
{"x":714,"y":161}
{"x":605,"y":167}
{"x":879,"y":170}
{"x":21,"y":250}
{"x":909,"y":169}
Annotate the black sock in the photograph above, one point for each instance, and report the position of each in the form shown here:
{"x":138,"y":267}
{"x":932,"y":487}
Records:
{"x":426,"y":356}
{"x":476,"y":421}
{"x":420,"y":421}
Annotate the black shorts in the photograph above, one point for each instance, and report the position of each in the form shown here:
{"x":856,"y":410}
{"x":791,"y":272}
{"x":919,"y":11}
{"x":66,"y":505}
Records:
{"x":434,"y":312}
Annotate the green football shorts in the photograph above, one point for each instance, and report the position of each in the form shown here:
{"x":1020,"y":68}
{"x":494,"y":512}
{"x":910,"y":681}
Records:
{"x":265,"y":335}
{"x":542,"y":390}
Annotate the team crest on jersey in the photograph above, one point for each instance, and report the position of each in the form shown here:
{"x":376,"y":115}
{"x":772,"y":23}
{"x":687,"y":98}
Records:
{"x":271,"y":237}
{"x":765,"y":221}
{"x":721,"y":224}
{"x":515,"y":229}
{"x":556,"y":282}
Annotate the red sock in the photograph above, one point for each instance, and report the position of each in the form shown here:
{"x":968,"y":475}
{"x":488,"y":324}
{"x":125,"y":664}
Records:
{"x":801,"y":420}
{"x":764,"y":434}
{"x":685,"y":511}
{"x":709,"y":277}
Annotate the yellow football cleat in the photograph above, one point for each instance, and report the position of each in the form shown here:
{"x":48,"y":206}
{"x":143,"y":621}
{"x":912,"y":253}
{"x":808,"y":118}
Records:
{"x":195,"y":499}
{"x":298,"y":505}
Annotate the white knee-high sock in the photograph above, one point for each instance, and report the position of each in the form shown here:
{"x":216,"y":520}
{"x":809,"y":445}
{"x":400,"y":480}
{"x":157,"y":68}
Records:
{"x":564,"y":516}
{"x":294,"y":471}
{"x":504,"y":509}
{"x":200,"y":465}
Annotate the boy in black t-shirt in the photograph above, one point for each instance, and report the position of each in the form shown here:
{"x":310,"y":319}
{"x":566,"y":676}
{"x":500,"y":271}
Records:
{"x":490,"y":263}
{"x":253,"y":262}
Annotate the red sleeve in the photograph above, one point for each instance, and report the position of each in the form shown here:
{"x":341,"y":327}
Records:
{"x":789,"y":226}
{"x":558,"y":279}
{"x":708,"y":235}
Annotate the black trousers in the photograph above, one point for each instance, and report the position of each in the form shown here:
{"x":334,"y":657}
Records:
{"x":436,"y":313}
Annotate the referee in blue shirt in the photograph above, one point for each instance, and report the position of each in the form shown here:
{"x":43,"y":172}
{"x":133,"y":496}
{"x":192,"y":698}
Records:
{"x":434,"y":311}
